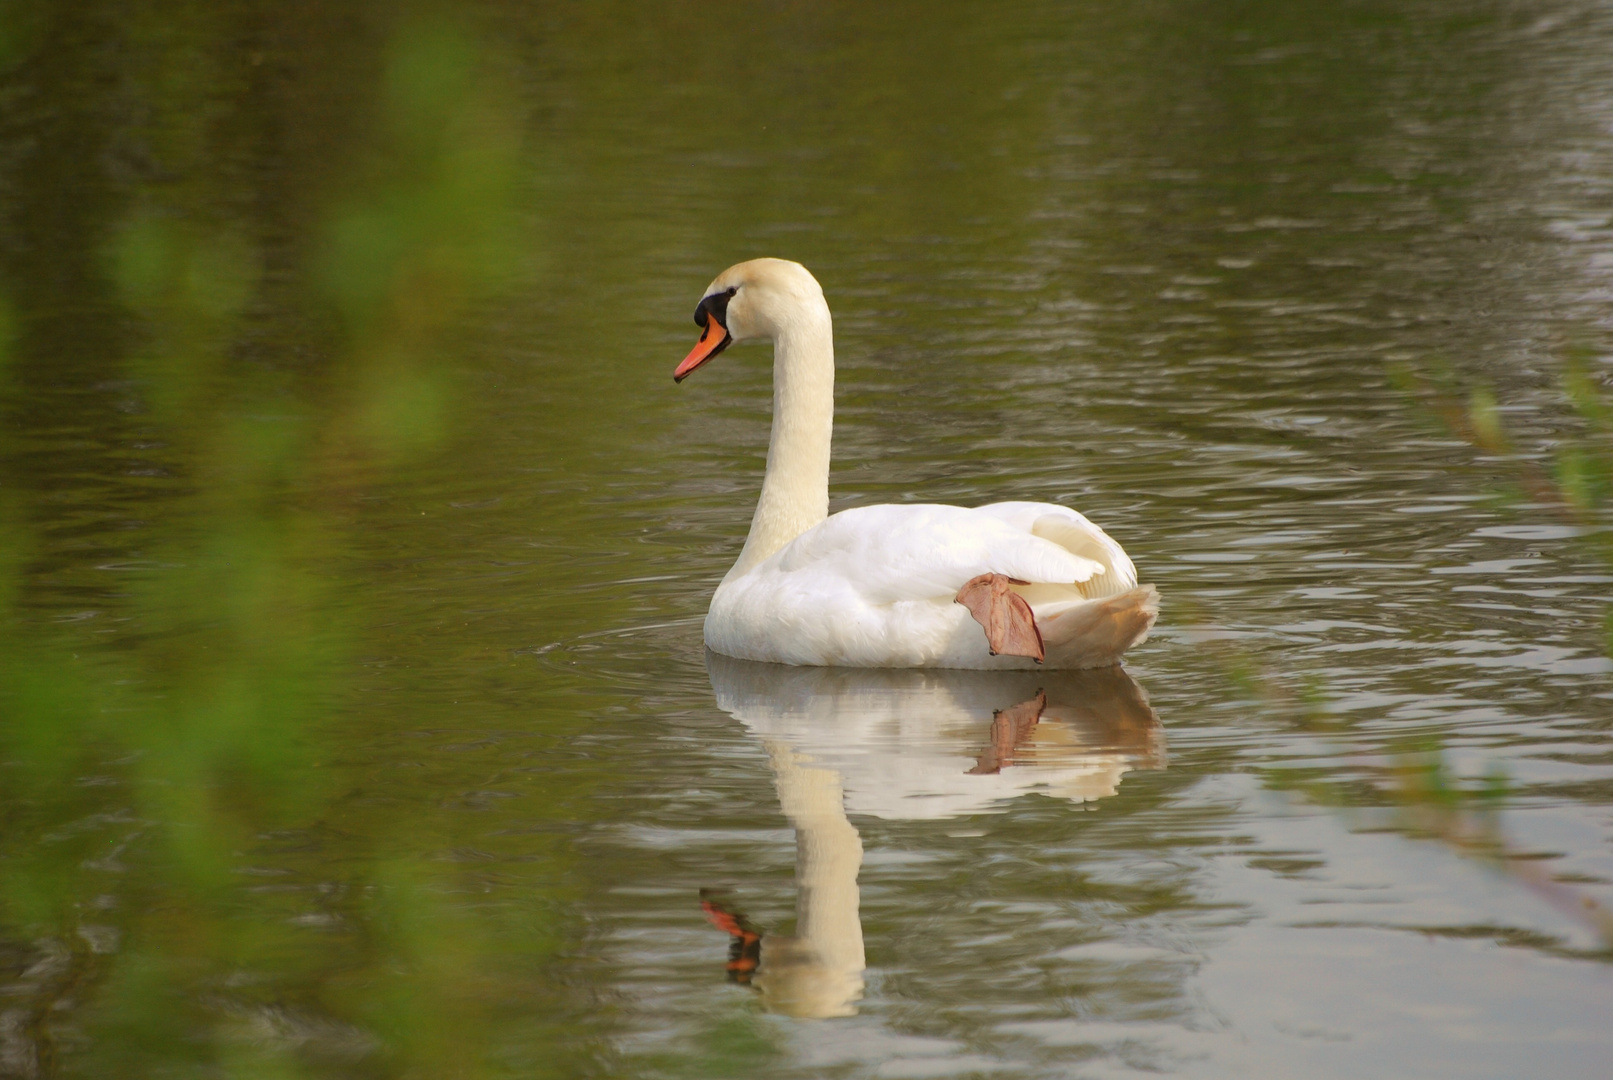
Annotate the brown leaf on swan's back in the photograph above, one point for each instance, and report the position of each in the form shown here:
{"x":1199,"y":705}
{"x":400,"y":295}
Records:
{"x":1009,"y":624}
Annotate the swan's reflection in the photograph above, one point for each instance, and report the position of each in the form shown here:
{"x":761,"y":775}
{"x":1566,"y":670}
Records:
{"x":903,"y":745}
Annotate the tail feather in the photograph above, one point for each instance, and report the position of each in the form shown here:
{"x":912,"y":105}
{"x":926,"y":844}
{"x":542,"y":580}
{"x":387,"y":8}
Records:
{"x":1097,"y":633}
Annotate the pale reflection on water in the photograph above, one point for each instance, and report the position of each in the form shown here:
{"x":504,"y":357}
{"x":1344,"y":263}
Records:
{"x":906,"y":745}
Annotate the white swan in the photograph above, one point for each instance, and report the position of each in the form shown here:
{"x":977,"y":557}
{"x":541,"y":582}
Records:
{"x":1008,"y":585}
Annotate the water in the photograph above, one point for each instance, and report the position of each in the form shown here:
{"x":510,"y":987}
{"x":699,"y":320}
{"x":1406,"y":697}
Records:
{"x":357,"y":541}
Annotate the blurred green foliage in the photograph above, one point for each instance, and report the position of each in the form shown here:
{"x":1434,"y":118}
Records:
{"x":1584,"y":465}
{"x":1569,"y":479}
{"x":425,"y":230}
{"x":1415,"y":780}
{"x":1409,"y":786}
{"x":146,"y":783}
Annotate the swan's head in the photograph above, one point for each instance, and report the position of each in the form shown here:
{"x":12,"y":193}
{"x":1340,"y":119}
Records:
{"x":755,"y":299}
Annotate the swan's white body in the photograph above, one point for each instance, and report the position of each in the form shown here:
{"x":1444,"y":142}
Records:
{"x":875,"y":586}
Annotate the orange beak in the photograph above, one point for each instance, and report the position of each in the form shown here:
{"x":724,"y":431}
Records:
{"x":713,"y":341}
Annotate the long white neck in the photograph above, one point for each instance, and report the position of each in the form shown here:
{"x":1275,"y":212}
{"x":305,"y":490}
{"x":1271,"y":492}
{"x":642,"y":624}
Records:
{"x":795,"y":491}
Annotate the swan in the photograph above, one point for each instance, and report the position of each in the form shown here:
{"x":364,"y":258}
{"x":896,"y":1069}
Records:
{"x":1009,"y":585}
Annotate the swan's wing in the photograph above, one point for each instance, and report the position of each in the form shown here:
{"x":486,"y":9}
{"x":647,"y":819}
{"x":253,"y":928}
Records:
{"x":916,"y":552}
{"x":1073,"y":532}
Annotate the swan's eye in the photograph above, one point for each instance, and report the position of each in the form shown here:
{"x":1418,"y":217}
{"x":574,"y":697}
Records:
{"x":715,"y":304}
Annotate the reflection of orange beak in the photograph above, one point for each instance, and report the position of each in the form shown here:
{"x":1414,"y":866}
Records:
{"x":712,"y":342}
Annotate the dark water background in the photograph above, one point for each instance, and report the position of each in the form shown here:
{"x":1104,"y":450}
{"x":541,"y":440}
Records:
{"x":354,"y":541}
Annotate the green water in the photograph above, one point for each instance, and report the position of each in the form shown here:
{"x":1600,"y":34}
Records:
{"x":354,"y":540}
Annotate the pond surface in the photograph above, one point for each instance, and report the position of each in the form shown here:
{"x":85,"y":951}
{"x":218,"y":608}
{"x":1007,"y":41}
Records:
{"x":356,"y":541}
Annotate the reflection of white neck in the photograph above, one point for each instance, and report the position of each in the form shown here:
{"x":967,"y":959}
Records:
{"x":818,"y":973}
{"x":795,"y":491}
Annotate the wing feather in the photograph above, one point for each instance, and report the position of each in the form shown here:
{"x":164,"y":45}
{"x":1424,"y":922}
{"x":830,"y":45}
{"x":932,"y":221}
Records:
{"x":1073,"y":532}
{"x":920,"y":551}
